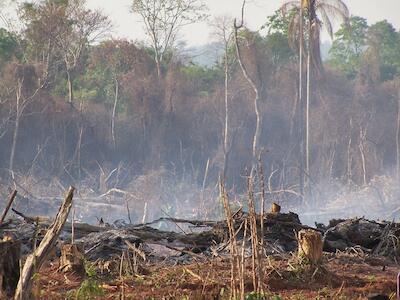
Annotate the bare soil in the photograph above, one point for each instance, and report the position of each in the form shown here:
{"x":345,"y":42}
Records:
{"x":342,"y":276}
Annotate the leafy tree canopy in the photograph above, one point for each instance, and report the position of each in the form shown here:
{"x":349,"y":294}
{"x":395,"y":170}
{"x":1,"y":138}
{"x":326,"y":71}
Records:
{"x":348,"y":46}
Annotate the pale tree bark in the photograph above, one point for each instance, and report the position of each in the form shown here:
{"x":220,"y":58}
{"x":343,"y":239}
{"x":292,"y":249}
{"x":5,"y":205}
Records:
{"x":307,"y":124}
{"x":224,"y":32}
{"x":257,"y":132}
{"x":349,"y":155}
{"x":226,"y":125}
{"x":301,"y":104}
{"x":361,"y":146}
{"x":157,"y":59}
{"x":116,"y":95}
{"x":70,"y":86}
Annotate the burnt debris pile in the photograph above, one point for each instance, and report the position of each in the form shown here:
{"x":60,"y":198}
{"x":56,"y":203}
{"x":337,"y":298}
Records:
{"x":194,"y":239}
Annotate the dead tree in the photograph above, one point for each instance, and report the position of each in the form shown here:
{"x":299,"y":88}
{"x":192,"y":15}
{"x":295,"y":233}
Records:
{"x":35,"y":260}
{"x":256,"y":101}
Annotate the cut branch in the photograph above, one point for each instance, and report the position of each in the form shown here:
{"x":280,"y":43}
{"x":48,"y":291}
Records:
{"x":9,"y":203}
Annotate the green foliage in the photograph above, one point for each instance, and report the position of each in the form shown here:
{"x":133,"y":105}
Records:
{"x":90,"y":269}
{"x":277,"y":40}
{"x":205,"y":79}
{"x":8,"y":47}
{"x":348,"y":46}
{"x":277,"y":23}
{"x":88,"y":290}
{"x":280,"y":50}
{"x":255,"y":296}
{"x":384,"y":37}
{"x":355,"y":42}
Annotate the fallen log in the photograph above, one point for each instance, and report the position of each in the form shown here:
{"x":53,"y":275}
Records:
{"x":33,"y":220}
{"x":35,"y":260}
{"x":80,"y":229}
{"x":175,"y":220}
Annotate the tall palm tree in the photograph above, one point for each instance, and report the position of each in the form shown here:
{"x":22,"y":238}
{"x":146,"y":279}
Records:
{"x":307,"y":18}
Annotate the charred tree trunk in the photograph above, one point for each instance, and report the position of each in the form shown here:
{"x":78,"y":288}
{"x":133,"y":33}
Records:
{"x":10,"y":252}
{"x":72,"y":259}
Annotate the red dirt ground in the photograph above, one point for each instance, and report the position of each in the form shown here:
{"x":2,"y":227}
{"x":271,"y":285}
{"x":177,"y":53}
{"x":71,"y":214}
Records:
{"x":342,"y":277}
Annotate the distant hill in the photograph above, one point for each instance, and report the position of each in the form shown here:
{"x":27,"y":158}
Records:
{"x":208,"y":55}
{"x":205,"y":55}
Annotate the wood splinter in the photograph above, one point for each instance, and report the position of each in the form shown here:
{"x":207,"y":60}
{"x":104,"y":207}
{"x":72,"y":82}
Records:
{"x":35,"y":260}
{"x":275,"y":208}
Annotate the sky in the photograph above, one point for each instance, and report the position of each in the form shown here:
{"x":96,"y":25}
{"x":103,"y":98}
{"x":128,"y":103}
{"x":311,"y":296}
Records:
{"x":128,"y":26}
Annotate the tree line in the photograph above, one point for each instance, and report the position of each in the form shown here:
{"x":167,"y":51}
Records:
{"x":76,"y":102}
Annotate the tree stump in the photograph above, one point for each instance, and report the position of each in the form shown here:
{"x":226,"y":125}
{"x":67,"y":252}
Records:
{"x":10,"y":252}
{"x":72,"y":259}
{"x":310,"y":245}
{"x":275,"y":208}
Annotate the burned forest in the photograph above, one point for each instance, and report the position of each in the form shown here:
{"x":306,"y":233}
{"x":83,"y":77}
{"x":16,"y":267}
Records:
{"x":144,"y":161}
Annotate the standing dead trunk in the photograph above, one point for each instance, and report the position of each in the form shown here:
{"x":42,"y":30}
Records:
{"x":362,"y":154}
{"x":307,"y":123}
{"x":257,"y":132}
{"x":349,"y":156}
{"x":114,"y":111}
{"x":70,"y":87}
{"x":10,"y":252}
{"x":301,"y":104}
{"x":158,"y":59}
{"x":226,"y":98}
